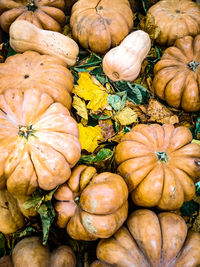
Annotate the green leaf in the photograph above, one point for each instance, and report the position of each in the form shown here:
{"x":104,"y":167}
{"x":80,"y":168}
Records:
{"x":103,"y":154}
{"x":11,"y":52}
{"x":198,"y":188}
{"x":189,"y":208}
{"x":144,"y":5}
{"x":136,"y":93}
{"x":28,"y":231}
{"x":2,"y":245}
{"x":93,"y":60}
{"x":118,"y":100}
{"x":47,"y":215}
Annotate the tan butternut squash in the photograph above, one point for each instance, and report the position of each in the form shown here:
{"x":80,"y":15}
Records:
{"x":124,"y":61}
{"x":25,"y":36}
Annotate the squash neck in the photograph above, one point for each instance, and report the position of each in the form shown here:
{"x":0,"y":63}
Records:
{"x":162,"y":157}
{"x":31,"y":6}
{"x":26,"y":131}
{"x":193,"y":65}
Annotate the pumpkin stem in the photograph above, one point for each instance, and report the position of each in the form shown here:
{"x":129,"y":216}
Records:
{"x":25,"y":131}
{"x":162,"y":156}
{"x":77,"y":199}
{"x":193,"y":65}
{"x":31,"y":6}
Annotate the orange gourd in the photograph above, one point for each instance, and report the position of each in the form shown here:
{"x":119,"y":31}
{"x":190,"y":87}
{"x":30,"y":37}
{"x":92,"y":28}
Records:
{"x":45,"y":14}
{"x":159,"y":164}
{"x":91,"y":205}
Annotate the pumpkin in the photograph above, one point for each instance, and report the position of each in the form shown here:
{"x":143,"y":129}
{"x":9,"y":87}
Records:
{"x":91,"y":205}
{"x":29,"y":252}
{"x":45,"y":14}
{"x":176,"y":19}
{"x":100,"y":25}
{"x":25,"y":36}
{"x":39,"y":142}
{"x":159,"y":164}
{"x":124,"y":61}
{"x":177,"y":74}
{"x":42,"y":72}
{"x":151,"y":240}
{"x":11,"y":218}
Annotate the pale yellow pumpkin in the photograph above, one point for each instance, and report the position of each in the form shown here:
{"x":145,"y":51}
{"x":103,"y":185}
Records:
{"x":25,"y":36}
{"x":124,"y":61}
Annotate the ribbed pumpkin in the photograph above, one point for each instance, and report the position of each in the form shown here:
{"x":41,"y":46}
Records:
{"x":45,"y":14}
{"x":42,"y":72}
{"x":176,"y":19}
{"x":151,"y":240}
{"x":29,"y":252}
{"x":91,"y":205}
{"x":159,"y":164}
{"x":177,"y":74}
{"x":38,"y":142}
{"x":100,"y":25}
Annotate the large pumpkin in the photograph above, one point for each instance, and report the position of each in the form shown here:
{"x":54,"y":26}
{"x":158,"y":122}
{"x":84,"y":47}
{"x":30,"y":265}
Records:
{"x":177,"y":74}
{"x":159,"y":164}
{"x":42,"y":72}
{"x":100,"y":25}
{"x":38,"y":142}
{"x":45,"y":14}
{"x":29,"y":252}
{"x":176,"y":19}
{"x":151,"y":240}
{"x":91,"y":205}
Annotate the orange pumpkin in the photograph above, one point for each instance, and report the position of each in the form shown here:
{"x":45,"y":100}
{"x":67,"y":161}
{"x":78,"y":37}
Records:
{"x":177,"y":74}
{"x":100,"y":25}
{"x":29,"y":252}
{"x":32,"y":70}
{"x":176,"y":19}
{"x":45,"y":14}
{"x":159,"y":164}
{"x":151,"y":240}
{"x":38,"y":142}
{"x":91,"y":205}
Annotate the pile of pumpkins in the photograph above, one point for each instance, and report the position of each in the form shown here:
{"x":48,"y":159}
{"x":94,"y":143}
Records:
{"x":39,"y":139}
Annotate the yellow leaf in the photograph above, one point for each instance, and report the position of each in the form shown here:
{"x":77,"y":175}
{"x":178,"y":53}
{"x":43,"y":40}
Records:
{"x":147,"y":24}
{"x":90,"y":89}
{"x":89,"y":137}
{"x":127,"y":116}
{"x":80,"y":106}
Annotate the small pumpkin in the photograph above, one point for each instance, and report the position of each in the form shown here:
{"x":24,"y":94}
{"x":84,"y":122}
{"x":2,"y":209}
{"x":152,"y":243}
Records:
{"x":176,"y":19}
{"x":29,"y":252}
{"x":124,"y":61}
{"x":151,"y":240}
{"x":25,"y":36}
{"x":42,"y":72}
{"x":39,"y":142}
{"x":177,"y":74}
{"x":159,"y":164}
{"x":100,"y":25}
{"x":45,"y":14}
{"x":91,"y":205}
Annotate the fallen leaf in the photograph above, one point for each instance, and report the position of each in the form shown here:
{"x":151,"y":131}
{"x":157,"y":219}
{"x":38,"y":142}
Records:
{"x":107,"y":129}
{"x":127,"y":116}
{"x":89,"y":137}
{"x":147,"y":24}
{"x":80,"y":106}
{"x":117,"y":138}
{"x":159,"y":113}
{"x":90,"y":89}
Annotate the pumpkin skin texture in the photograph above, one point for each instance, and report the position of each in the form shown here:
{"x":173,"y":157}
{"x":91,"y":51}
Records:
{"x":100,"y":25}
{"x":30,"y":252}
{"x":159,"y":164}
{"x":151,"y":241}
{"x":45,"y":14}
{"x":176,"y":19}
{"x":102,"y":204}
{"x":25,"y":36}
{"x":38,"y":148}
{"x":177,"y":74}
{"x":31,"y":70}
{"x":11,"y":218}
{"x":130,"y":53}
